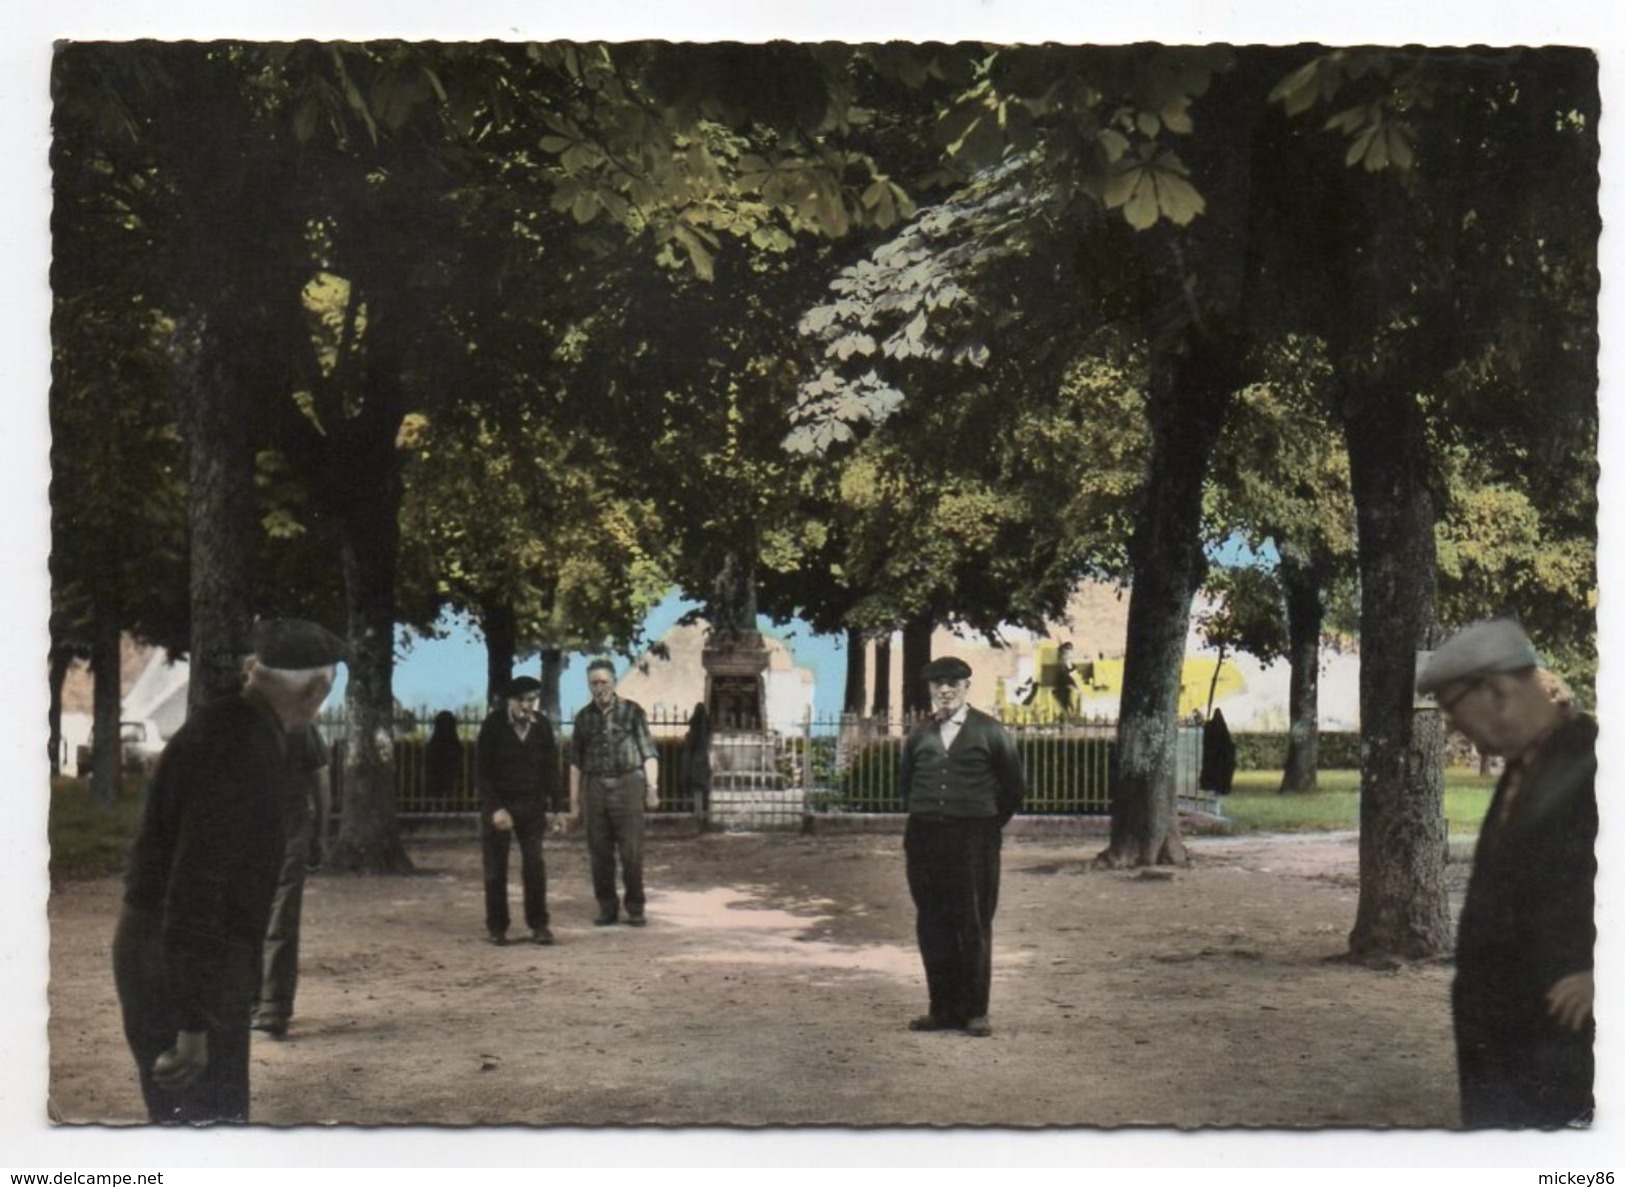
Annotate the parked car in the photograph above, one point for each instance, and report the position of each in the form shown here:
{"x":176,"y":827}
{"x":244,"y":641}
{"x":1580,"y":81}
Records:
{"x":140,"y":744}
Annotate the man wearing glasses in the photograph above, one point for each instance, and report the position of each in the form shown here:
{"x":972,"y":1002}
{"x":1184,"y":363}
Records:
{"x":1523,"y":989}
{"x":517,"y":763}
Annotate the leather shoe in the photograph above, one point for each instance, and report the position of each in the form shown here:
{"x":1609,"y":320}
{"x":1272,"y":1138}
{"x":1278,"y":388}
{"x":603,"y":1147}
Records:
{"x":277,"y":1028}
{"x":929,"y":1022}
{"x":979,"y":1027}
{"x":605,"y":921}
{"x":499,"y":938}
{"x":636,"y":920}
{"x":542,"y":935}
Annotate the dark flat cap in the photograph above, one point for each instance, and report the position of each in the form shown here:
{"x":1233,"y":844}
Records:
{"x":522,"y":686}
{"x":1483,"y":649}
{"x":292,"y":644}
{"x":947,"y":667}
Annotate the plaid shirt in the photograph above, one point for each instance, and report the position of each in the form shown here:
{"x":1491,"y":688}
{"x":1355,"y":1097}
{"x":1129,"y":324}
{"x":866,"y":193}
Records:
{"x":605,"y":744}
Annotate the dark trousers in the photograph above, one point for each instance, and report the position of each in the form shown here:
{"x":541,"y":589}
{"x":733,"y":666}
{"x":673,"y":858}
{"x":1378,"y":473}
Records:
{"x":614,"y":811}
{"x":1517,"y":1068}
{"x":221,"y":1092}
{"x":279,"y":973}
{"x":953,"y":876}
{"x":528,"y":828}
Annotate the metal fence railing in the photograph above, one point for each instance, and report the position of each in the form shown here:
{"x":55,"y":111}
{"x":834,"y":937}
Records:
{"x":825,"y":765}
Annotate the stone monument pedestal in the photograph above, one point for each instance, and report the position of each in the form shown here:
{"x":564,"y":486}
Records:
{"x":747,"y":787}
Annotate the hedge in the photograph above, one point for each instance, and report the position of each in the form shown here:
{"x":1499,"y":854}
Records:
{"x":1339,"y":750}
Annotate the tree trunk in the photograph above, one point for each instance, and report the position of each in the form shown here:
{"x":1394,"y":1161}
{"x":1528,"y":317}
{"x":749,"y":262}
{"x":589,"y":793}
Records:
{"x":882,"y":702}
{"x":1304,"y":614}
{"x":917,"y":633}
{"x":501,"y":632}
{"x":61,"y":661}
{"x":1403,"y":910}
{"x":554,"y":661}
{"x":107,"y":699}
{"x":1213,"y":684}
{"x":224,"y":530}
{"x":856,"y":690}
{"x":1186,"y":417}
{"x":369,"y":514}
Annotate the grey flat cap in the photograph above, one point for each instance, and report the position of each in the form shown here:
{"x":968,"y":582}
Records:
{"x":1495,"y":645}
{"x":293,"y":644}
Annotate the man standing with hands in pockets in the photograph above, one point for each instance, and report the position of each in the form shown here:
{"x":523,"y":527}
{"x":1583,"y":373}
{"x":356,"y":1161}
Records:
{"x":614,"y":772}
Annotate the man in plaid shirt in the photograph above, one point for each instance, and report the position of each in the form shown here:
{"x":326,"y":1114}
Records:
{"x":614,"y":769}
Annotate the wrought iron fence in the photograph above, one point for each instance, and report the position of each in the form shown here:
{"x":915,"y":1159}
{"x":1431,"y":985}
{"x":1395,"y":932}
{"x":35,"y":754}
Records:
{"x":777,"y":777}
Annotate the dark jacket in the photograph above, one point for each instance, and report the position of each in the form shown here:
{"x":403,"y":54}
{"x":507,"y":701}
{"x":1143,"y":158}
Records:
{"x":206,"y":859}
{"x":1527,"y":923}
{"x":521,"y":775}
{"x":1527,"y":920}
{"x":978,"y":777}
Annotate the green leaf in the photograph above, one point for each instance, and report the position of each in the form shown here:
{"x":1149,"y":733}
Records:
{"x":304,"y":119}
{"x":1176,"y":116}
{"x":1298,"y":91}
{"x":1142,"y":208}
{"x":1178,"y":199}
{"x":1361,"y":145}
{"x":1120,"y":186}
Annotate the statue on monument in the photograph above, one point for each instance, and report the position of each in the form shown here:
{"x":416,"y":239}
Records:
{"x":735,"y":657}
{"x":733,"y":599}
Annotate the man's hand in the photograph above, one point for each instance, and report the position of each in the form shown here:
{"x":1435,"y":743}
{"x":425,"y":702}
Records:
{"x":651,"y":783}
{"x":651,"y":796}
{"x":501,"y":820}
{"x":182,"y":1064}
{"x":1569,"y":1001}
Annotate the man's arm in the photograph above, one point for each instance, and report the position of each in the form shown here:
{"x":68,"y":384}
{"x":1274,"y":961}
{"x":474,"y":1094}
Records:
{"x":573,"y":817}
{"x":651,"y":760}
{"x":905,"y":770}
{"x":484,"y":760}
{"x":1007,"y":769}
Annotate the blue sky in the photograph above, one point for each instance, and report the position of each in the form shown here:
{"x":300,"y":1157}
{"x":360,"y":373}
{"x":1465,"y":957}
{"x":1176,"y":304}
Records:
{"x":448,"y":673}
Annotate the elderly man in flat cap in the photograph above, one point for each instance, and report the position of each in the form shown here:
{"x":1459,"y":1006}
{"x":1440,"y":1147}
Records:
{"x":517,"y":770}
{"x":1523,"y":989}
{"x":961,"y":781}
{"x":203,"y":869}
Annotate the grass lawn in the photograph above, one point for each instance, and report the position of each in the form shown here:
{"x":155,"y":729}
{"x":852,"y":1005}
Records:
{"x":88,"y":840}
{"x":1256,"y":806}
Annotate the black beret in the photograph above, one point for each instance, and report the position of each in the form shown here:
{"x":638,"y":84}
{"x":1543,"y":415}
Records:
{"x":948,"y":667}
{"x":522,"y":686}
{"x":292,"y":644}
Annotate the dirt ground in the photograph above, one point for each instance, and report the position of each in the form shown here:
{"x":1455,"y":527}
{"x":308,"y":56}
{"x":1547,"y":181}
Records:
{"x":773,"y":984}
